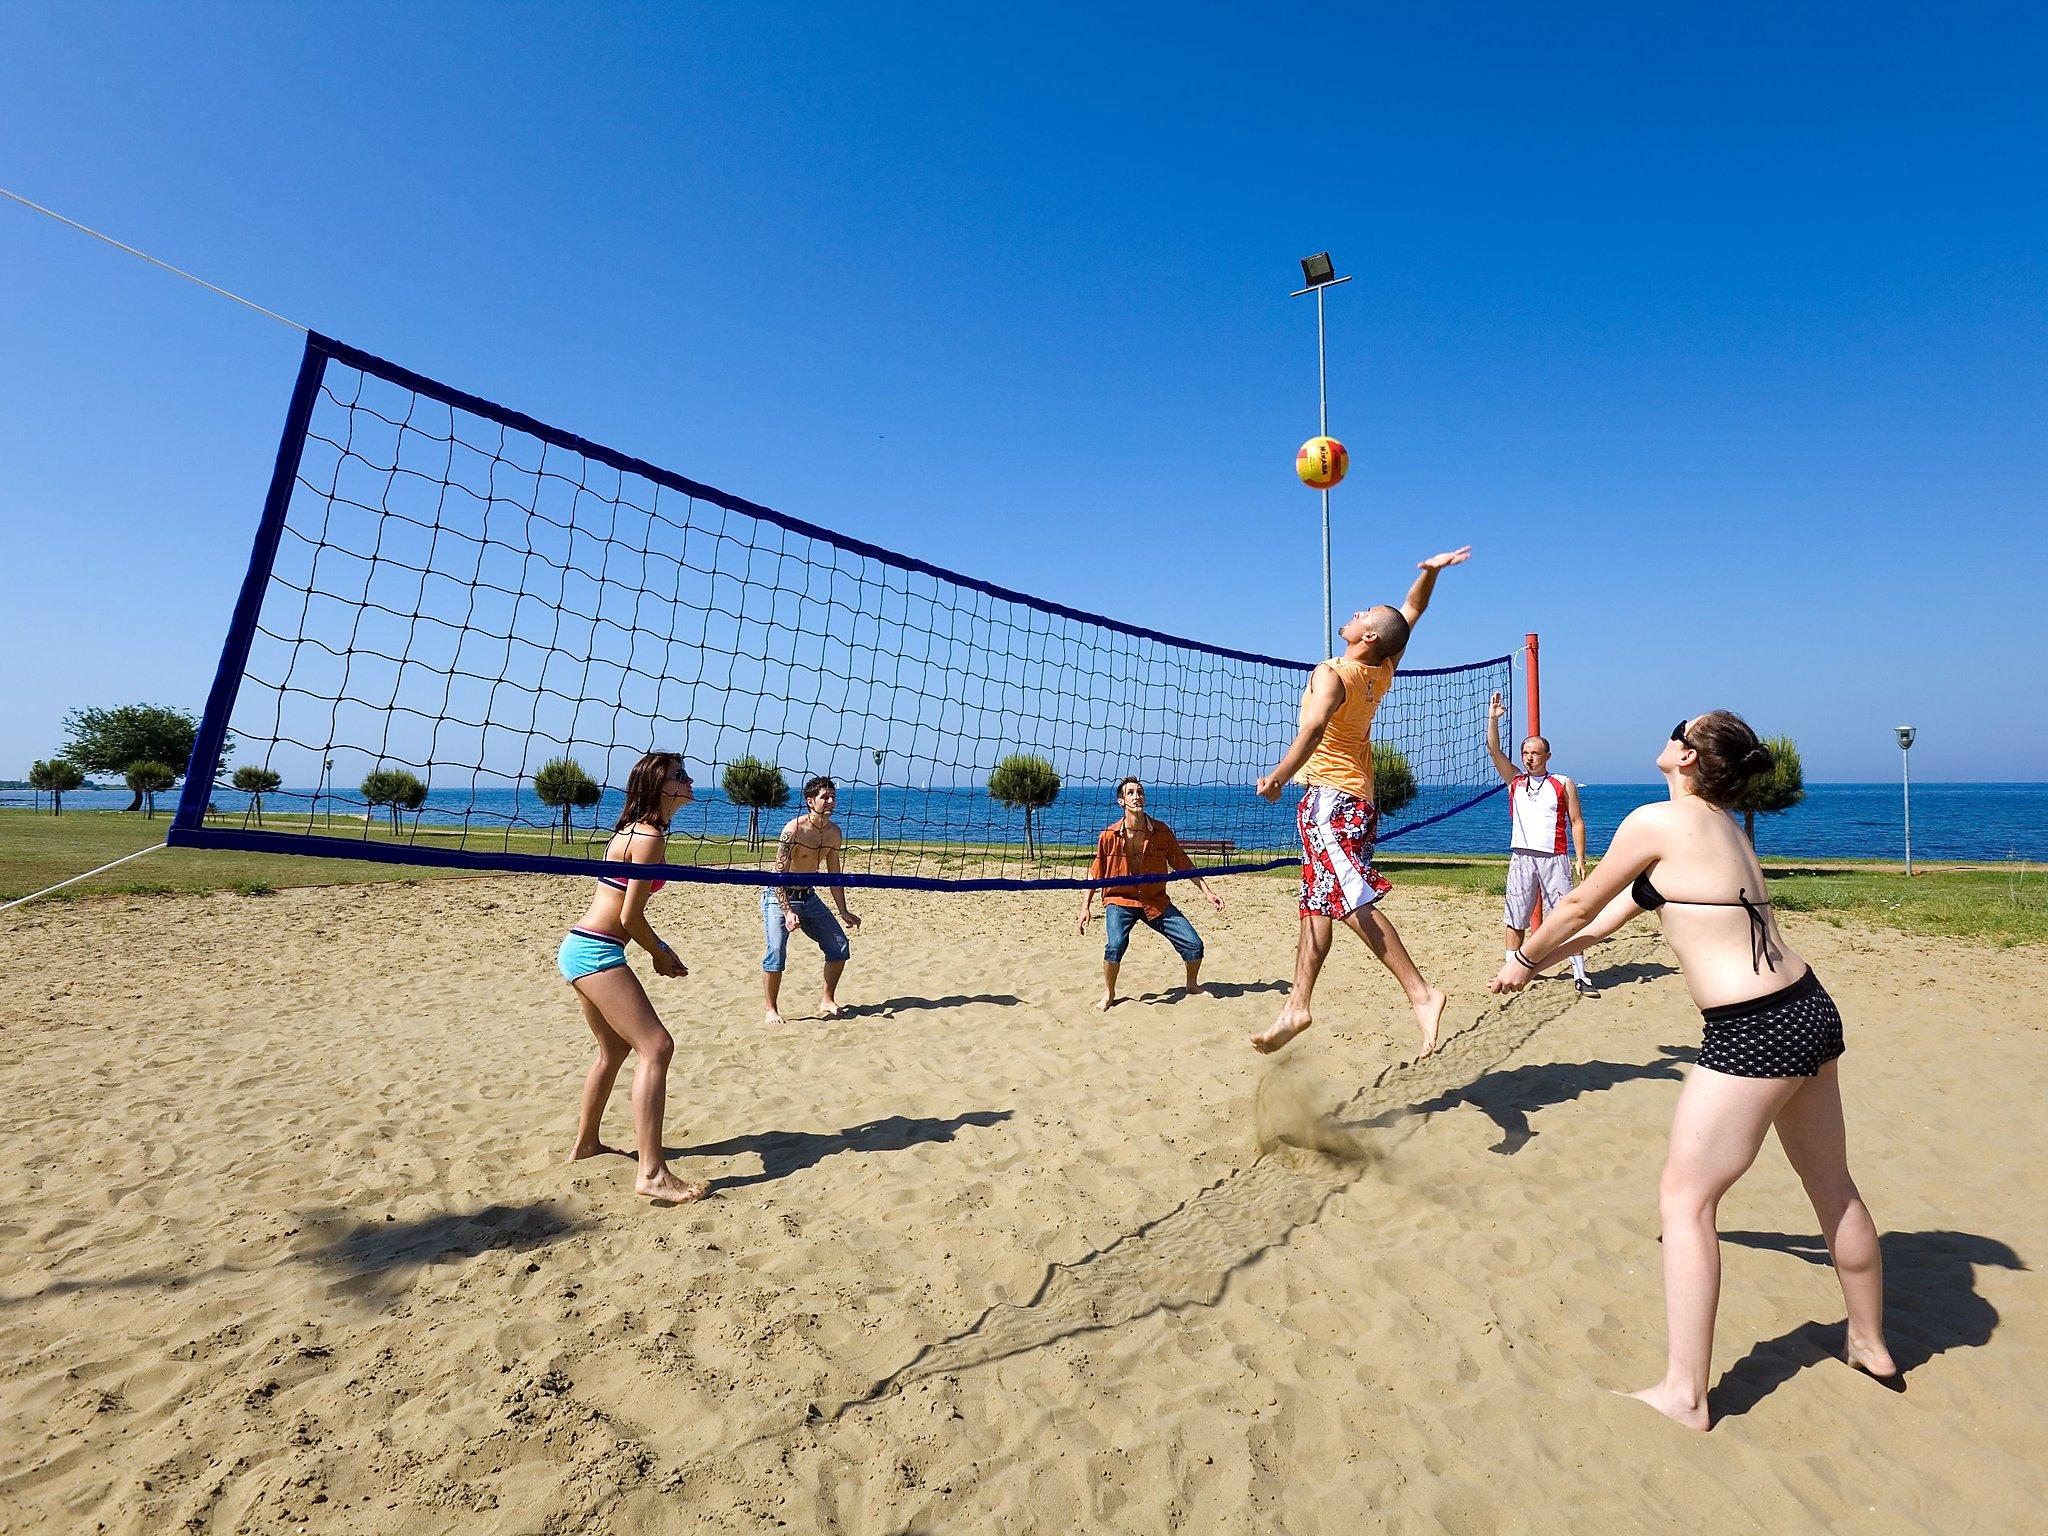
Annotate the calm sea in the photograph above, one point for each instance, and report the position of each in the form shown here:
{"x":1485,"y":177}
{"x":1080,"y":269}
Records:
{"x":1950,"y":821}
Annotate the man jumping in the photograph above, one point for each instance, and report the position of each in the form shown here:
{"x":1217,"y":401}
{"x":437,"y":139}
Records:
{"x":1539,"y":805}
{"x":1332,"y":756}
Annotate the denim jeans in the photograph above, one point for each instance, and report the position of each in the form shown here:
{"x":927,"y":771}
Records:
{"x":813,"y":916}
{"x":1118,"y":921}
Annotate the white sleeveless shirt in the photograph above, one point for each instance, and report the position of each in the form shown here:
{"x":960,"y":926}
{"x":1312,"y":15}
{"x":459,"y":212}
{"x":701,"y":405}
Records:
{"x":1536,"y":806}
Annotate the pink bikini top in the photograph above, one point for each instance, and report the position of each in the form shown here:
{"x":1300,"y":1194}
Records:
{"x":620,"y":885}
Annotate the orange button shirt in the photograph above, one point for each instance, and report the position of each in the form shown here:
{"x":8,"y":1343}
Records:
{"x":1162,"y":853}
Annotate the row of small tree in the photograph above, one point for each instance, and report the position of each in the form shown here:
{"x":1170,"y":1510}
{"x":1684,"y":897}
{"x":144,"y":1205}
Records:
{"x":143,"y":743}
{"x":146,"y":744}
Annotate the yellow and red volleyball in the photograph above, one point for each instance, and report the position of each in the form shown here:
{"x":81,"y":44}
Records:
{"x":1321,"y":463}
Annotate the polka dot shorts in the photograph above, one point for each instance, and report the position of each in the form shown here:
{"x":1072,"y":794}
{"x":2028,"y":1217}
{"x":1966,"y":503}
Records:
{"x":1790,"y":1033}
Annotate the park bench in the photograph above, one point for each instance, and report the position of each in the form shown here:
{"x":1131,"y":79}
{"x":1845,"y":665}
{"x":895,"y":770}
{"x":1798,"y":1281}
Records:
{"x":1219,"y":847}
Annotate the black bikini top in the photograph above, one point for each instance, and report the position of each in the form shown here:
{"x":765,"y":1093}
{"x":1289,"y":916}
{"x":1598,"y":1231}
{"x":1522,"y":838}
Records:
{"x":1649,"y":898}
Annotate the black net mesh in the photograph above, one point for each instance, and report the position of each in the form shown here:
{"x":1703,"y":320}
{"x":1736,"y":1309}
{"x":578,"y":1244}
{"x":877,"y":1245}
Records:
{"x":460,"y":596}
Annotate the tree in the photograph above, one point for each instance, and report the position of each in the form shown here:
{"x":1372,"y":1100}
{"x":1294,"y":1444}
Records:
{"x":256,"y":783}
{"x":114,"y":740}
{"x":57,"y":775}
{"x":1779,"y":790}
{"x":1026,"y":781}
{"x":147,"y":779}
{"x":759,"y":787}
{"x":1393,"y":780}
{"x":562,"y":781}
{"x":396,"y":788}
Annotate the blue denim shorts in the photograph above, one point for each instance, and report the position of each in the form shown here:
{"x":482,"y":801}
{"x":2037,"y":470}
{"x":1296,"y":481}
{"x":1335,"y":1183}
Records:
{"x":813,"y":916}
{"x":1118,"y":921}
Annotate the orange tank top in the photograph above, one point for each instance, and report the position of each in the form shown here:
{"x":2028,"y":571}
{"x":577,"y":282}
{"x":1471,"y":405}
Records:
{"x":1343,"y":758}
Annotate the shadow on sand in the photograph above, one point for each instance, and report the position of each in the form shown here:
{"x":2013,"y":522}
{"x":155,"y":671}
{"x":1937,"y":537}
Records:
{"x":895,"y":1005}
{"x":1230,"y":989}
{"x":785,"y":1152}
{"x":365,"y":1252}
{"x":1931,"y":1307}
{"x":1507,"y":1096}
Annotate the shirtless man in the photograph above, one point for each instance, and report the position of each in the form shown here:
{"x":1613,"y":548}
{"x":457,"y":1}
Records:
{"x":809,"y":843}
{"x":1540,"y":804}
{"x":1331,"y":756}
{"x":1137,"y":844}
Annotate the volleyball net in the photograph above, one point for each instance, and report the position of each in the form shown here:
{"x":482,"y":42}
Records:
{"x":460,"y":628}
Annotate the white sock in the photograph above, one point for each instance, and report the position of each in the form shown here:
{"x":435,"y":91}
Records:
{"x":1507,"y":954}
{"x":1579,"y":966}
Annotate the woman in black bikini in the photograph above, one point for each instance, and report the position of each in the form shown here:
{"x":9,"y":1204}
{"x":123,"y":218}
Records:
{"x":1769,"y":1058}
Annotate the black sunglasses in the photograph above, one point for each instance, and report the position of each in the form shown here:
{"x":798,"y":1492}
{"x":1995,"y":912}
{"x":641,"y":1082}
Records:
{"x":1678,"y":735}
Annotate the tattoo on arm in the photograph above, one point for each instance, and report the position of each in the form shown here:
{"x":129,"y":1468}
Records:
{"x":783,"y":845}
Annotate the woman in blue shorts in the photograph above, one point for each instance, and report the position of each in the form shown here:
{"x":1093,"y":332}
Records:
{"x":615,"y":1006}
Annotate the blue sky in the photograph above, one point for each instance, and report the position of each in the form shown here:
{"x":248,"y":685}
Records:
{"x":1719,"y":334}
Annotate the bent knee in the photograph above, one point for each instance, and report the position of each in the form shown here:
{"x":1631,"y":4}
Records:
{"x":658,"y":1051}
{"x":1682,"y":1193}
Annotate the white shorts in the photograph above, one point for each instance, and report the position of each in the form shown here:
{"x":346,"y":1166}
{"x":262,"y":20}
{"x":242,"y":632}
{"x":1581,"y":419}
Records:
{"x":1528,"y":873}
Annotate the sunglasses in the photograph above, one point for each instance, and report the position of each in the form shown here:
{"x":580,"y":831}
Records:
{"x":1678,"y":735}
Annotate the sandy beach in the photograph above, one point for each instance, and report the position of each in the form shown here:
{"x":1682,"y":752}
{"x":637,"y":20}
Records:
{"x":290,"y":1243}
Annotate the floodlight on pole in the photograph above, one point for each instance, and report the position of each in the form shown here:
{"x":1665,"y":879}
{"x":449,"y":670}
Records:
{"x":1318,"y":273}
{"x":878,"y":798}
{"x":1906,"y":733}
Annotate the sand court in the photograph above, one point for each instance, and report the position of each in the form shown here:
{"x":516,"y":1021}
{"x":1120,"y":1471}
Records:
{"x":289,"y":1240}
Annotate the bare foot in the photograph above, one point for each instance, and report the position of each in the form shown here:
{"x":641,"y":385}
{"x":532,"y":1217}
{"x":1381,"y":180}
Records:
{"x":1875,"y":1361}
{"x":596,"y":1149}
{"x":666,"y":1186}
{"x":1678,"y":1407}
{"x":1429,"y":1014}
{"x":828,"y":1009}
{"x":1292,"y":1021}
{"x":1105,"y":1002}
{"x":773,"y":1020}
{"x":1194,"y":989}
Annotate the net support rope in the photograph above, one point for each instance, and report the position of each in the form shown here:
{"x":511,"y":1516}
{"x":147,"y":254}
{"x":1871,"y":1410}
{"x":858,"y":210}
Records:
{"x":445,"y":597}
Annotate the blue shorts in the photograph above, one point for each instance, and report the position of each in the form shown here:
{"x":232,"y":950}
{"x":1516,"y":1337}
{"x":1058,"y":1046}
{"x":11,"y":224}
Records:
{"x":1118,"y":921}
{"x":813,"y":916}
{"x":585,"y":953}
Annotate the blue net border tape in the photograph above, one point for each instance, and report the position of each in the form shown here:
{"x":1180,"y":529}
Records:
{"x":476,"y":405}
{"x":314,"y":845}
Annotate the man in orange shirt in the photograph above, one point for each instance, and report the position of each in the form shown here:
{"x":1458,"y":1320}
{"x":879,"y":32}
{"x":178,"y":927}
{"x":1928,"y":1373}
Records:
{"x":1332,"y":757}
{"x":1137,"y":844}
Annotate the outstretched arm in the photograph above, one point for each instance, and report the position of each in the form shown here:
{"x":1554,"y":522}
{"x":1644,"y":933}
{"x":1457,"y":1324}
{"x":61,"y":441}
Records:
{"x":1325,"y":694}
{"x":1501,"y":765}
{"x":1178,"y":861}
{"x":1418,"y":595}
{"x":1634,"y":849}
{"x":1615,"y":916}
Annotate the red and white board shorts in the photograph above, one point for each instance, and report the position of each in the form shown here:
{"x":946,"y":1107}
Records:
{"x":1337,"y":836}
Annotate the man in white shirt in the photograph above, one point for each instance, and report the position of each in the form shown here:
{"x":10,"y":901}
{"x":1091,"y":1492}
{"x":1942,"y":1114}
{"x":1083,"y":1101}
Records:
{"x":1540,"y":806}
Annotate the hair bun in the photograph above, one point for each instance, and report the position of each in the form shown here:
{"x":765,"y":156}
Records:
{"x":1759,"y":759}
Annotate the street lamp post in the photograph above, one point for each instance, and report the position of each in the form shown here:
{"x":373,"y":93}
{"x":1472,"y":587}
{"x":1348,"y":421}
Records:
{"x":1906,"y":735}
{"x":1318,"y":273}
{"x":878,"y":798}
